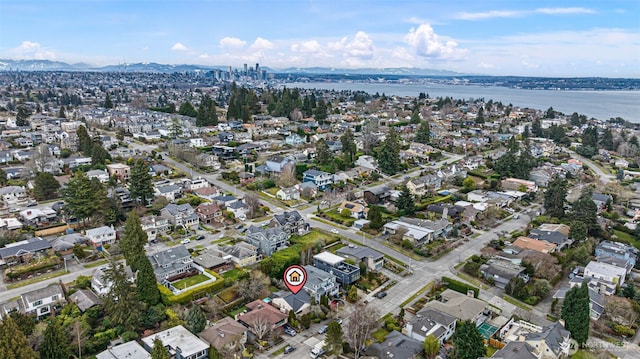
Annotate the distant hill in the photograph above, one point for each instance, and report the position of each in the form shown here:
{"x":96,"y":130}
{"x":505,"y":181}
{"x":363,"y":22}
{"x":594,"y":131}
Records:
{"x":407,"y":71}
{"x":39,"y":65}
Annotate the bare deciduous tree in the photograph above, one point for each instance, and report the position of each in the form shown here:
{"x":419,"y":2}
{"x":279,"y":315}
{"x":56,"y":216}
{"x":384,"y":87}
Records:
{"x":254,"y":287}
{"x":261,"y":328}
{"x":253,"y":205}
{"x":42,"y":159}
{"x":287,"y":177}
{"x":361,"y":323}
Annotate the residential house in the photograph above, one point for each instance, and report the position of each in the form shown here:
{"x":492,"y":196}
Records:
{"x":197,"y":142}
{"x":171,"y":263}
{"x":286,"y":301}
{"x":596,"y":301}
{"x":368,"y":162}
{"x":100,"y":280}
{"x":154,"y":226}
{"x":238,"y":209}
{"x":100,"y":175}
{"x":85,"y":299}
{"x":42,"y":301}
{"x":291,"y":222}
{"x":101,"y":236}
{"x":419,"y":230}
{"x":516,"y":184}
{"x":159,"y":170}
{"x":209,"y":213}
{"x":260,"y":311}
{"x":288,"y":194}
{"x":23,"y":251}
{"x":356,"y":210}
{"x":246,"y":178}
{"x":606,"y":272}
{"x":170,"y":192}
{"x":207,"y":193}
{"x":552,"y":233}
{"x":64,"y":244}
{"x":534,"y":244}
{"x":322,"y":180}
{"x":225,"y":200}
{"x":619,"y":250}
{"x":181,"y":215}
{"x":397,"y":346}
{"x":38,"y":217}
{"x":373,"y":259}
{"x":552,"y":342}
{"x":119,"y":170}
{"x":345,"y":273}
{"x":516,"y":350}
{"x":377,"y":194}
{"x":224,"y":334}
{"x":461,"y":306}
{"x":294,"y":140}
{"x":208,"y":160}
{"x":601,"y":200}
{"x":502,"y":271}
{"x":180,"y":342}
{"x":13,"y":195}
{"x":422,"y":185}
{"x":429,"y":321}
{"x":267,"y":240}
{"x":276,"y":164}
{"x":128,"y":350}
{"x":320,"y":283}
{"x":241,"y":253}
{"x":214,"y":260}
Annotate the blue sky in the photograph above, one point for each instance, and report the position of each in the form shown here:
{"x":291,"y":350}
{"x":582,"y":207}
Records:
{"x":531,"y":38}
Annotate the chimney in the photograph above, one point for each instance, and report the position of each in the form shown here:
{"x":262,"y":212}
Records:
{"x":445,"y":213}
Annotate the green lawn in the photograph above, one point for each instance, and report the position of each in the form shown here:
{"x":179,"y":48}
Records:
{"x":190,"y":281}
{"x":581,"y":354}
{"x":313,"y":236}
{"x":233,"y":274}
{"x":37,"y":279}
{"x":490,"y":351}
{"x":626,"y":238}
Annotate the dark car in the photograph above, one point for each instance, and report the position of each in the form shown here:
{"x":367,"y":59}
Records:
{"x":289,"y":348}
{"x":199,"y":238}
{"x":323,"y":329}
{"x":381,"y":295}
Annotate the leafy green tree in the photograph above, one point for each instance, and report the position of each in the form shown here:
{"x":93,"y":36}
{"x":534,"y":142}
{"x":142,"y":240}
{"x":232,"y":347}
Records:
{"x":375,"y":217}
{"x":140,"y":186}
{"x":536,"y":128}
{"x":415,"y":117}
{"x":550,"y":113}
{"x":146,"y":284}
{"x":195,"y":320}
{"x":187,"y":109}
{"x":207,"y":115}
{"x":585,"y":210}
{"x":122,"y":305}
{"x":334,"y":338}
{"x":554,"y":197}
{"x":55,"y":344}
{"x":323,"y":153}
{"x":468,"y":184}
{"x":406,"y":203}
{"x":45,"y":186}
{"x":3,"y":178}
{"x":352,"y":294}
{"x":575,"y":312}
{"x":423,"y":135}
{"x":349,"y":148}
{"x":467,"y":342}
{"x":578,"y":231}
{"x":99,"y":155}
{"x":13,"y":343}
{"x":175,"y":129}
{"x":321,"y":111}
{"x":389,"y":153}
{"x":629,"y":291}
{"x":107,"y":101}
{"x":159,"y":351}
{"x":431,"y":346}
{"x":83,"y":198}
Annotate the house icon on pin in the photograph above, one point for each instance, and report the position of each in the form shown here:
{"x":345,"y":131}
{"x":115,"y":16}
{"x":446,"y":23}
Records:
{"x":294,"y":277}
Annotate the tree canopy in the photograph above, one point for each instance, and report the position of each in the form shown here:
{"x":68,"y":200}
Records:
{"x":423,"y":134}
{"x":13,"y":343}
{"x":159,"y":351}
{"x":140,"y":186}
{"x":575,"y":312}
{"x":554,"y":197}
{"x":334,"y":338}
{"x":388,"y":153}
{"x":195,"y":320}
{"x":467,"y":341}
{"x":55,"y":344}
{"x":45,"y":186}
{"x":406,"y":203}
{"x":207,"y":115}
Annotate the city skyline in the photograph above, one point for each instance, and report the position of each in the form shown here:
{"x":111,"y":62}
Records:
{"x":545,"y":38}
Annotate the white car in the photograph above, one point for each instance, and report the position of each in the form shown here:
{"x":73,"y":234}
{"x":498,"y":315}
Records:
{"x":335,"y":231}
{"x":185,"y":241}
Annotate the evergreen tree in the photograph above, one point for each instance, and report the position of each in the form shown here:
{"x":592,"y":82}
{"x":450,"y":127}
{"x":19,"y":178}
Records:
{"x":207,"y":115}
{"x":55,"y":344}
{"x":175,"y":128}
{"x":85,"y":142}
{"x":349,"y":147}
{"x":585,"y":210}
{"x":61,"y":113}
{"x":195,"y":320}
{"x":133,"y":241}
{"x":159,"y":351}
{"x":22,"y":114}
{"x":107,"y":101}
{"x":431,"y":346}
{"x":3,"y":178}
{"x":146,"y":284}
{"x":389,"y":153}
{"x":406,"y":203}
{"x":415,"y":117}
{"x":554,"y":197}
{"x":45,"y":186}
{"x":187,"y":109}
{"x":321,"y":111}
{"x":375,"y":217}
{"x":578,"y":231}
{"x":81,"y":198}
{"x":140,"y":186}
{"x":99,"y":155}
{"x":480,"y":116}
{"x":536,"y":128}
{"x":575,"y":312}
{"x":526,"y":133}
{"x":423,"y":134}
{"x":467,"y":341}
{"x":334,"y":338}
{"x":607,"y":140}
{"x":323,"y":153}
{"x":13,"y":343}
{"x":122,"y":306}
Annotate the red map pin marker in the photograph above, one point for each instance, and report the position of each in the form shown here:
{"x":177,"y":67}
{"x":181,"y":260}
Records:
{"x":295,"y":277}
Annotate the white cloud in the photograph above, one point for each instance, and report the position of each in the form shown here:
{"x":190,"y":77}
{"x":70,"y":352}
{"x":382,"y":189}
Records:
{"x":179,"y":47}
{"x":307,"y":47}
{"x":204,"y":56}
{"x":427,"y":43}
{"x":232,"y":43}
{"x":262,"y":44}
{"x":361,"y":47}
{"x":29,"y":50}
{"x":146,"y":48}
{"x":484,"y":15}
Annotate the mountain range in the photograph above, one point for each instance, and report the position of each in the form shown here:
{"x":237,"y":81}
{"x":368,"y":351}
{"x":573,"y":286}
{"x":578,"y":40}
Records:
{"x":48,"y":65}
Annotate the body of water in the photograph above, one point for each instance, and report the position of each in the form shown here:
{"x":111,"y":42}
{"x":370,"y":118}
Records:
{"x":602,"y":105}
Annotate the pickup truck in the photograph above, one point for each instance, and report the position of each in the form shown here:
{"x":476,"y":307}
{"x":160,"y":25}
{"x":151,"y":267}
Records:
{"x":318,"y":350}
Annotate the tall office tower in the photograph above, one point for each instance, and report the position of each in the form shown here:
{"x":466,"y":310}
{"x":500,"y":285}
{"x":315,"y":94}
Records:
{"x":245,"y":69}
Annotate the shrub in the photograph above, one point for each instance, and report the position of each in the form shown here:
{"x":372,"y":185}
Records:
{"x":459,"y":286}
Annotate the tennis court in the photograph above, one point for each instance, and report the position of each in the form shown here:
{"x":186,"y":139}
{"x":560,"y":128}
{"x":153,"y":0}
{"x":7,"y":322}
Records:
{"x":487,"y":330}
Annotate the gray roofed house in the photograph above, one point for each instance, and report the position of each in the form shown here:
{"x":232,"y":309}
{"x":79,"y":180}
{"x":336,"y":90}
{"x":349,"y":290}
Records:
{"x":320,"y":283}
{"x":241,"y":253}
{"x":372,"y":258}
{"x":23,"y":251}
{"x":68,"y":241}
{"x":460,"y":306}
{"x":553,"y":341}
{"x":290,"y":222}
{"x":555,"y":237}
{"x":85,"y":299}
{"x":516,"y":350}
{"x":286,"y":301}
{"x":430,"y":321}
{"x":171,"y":262}
{"x":128,"y":350}
{"x":377,"y":194}
{"x":267,"y":240}
{"x":101,"y":285}
{"x":601,"y":199}
{"x":181,"y":215}
{"x":180,"y":343}
{"x":216,"y":262}
{"x":397,"y":346}
{"x":501,"y":272}
{"x":42,"y":301}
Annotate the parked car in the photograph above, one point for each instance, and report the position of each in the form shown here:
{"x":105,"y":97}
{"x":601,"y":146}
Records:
{"x":516,"y":216}
{"x":185,"y":241}
{"x":32,"y":204}
{"x":292,"y":332}
{"x":199,"y":238}
{"x":289,"y":348}
{"x":323,"y":329}
{"x":381,"y":295}
{"x":335,"y":231}
{"x":339,"y":321}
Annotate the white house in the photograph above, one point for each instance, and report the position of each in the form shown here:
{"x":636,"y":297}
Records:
{"x":101,"y":175}
{"x":196,"y":142}
{"x":604,"y":271}
{"x":101,"y":236}
{"x":180,"y":342}
{"x":42,"y":301}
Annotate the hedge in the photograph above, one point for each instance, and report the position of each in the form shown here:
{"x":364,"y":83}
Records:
{"x":168,"y":298}
{"x":460,"y":287}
